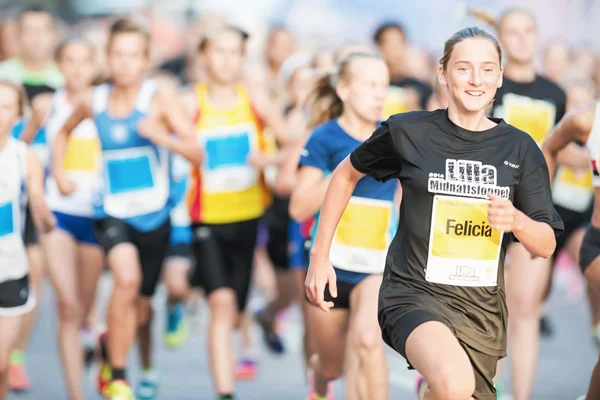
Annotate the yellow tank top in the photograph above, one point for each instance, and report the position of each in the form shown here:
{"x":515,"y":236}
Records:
{"x":225,"y":188}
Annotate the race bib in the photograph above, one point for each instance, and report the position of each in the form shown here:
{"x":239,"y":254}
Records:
{"x":536,"y":117}
{"x":463,"y":249}
{"x":10,"y":239}
{"x":134,"y":183}
{"x":226,"y":168}
{"x":82,"y":155}
{"x":7,"y":222}
{"x":572,"y":191}
{"x":129,"y":175}
{"x":363,"y":235}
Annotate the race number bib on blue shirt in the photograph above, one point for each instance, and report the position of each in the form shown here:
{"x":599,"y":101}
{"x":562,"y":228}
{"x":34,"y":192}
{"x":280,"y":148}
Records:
{"x":136,"y":183}
{"x":7,"y":223}
{"x":131,"y":174}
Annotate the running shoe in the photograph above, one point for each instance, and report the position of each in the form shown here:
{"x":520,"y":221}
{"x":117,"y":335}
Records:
{"x":104,"y":375}
{"x":270,"y":335}
{"x":17,"y":376}
{"x":546,"y":328}
{"x":246,"y":369}
{"x":88,"y":341}
{"x":176,"y":329}
{"x":314,"y":396}
{"x":119,"y":390}
{"x":148,"y":388}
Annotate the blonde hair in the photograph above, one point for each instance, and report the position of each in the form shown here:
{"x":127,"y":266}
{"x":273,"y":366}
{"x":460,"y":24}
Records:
{"x":325,"y":103}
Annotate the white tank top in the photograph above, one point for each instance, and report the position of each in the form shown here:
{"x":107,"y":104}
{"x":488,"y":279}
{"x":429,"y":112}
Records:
{"x":593,"y":146}
{"x":13,"y":164}
{"x":81,"y":163}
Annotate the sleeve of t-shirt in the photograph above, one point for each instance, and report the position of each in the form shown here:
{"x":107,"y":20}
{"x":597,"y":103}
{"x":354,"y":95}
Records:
{"x":377,"y":156}
{"x":315,"y":152}
{"x":533,"y":196}
{"x":561,"y":107}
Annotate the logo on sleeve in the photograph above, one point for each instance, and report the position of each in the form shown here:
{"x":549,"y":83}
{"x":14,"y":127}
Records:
{"x":468,"y":178}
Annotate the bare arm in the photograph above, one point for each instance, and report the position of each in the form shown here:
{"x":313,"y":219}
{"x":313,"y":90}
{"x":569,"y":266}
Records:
{"x":308,"y":194}
{"x":273,"y":117}
{"x":538,"y":238}
{"x":40,"y":110}
{"x":288,"y":170}
{"x":573,"y":156}
{"x":171,"y":115}
{"x":575,"y":125}
{"x":343,"y":182}
{"x":43,"y":218}
{"x":81,"y":112}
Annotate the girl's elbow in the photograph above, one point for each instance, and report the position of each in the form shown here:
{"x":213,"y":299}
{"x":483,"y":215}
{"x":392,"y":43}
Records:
{"x":297,"y":212}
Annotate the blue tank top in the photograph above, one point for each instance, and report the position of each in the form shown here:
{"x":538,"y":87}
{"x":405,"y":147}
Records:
{"x":136,"y":180}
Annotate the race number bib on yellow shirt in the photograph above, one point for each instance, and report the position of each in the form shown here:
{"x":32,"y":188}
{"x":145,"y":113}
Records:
{"x":572,"y":190}
{"x":536,"y":117}
{"x":463,"y":249}
{"x":362,"y":237}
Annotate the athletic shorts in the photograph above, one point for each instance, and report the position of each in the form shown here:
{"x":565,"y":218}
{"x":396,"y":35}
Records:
{"x":590,"y":248}
{"x":262,"y":236}
{"x":396,"y":330}
{"x":180,"y":250}
{"x":81,"y":228}
{"x":152,"y":247}
{"x":180,"y":242}
{"x":16,"y":297}
{"x":224,"y":255}
{"x":572,"y":221}
{"x":30,"y":235}
{"x":277,"y":246}
{"x":346,"y":282}
{"x":297,"y":249}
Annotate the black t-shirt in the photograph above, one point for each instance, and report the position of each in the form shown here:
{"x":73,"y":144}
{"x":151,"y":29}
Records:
{"x":440,"y":163}
{"x":422,"y":88}
{"x":534,"y":107}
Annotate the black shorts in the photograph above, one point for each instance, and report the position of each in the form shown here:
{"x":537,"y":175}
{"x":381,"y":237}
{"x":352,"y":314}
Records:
{"x":16,"y":297}
{"x":396,"y":330}
{"x":344,"y":290}
{"x":573,"y":221}
{"x":278,"y":221}
{"x":590,"y":248}
{"x":30,"y":235}
{"x":152,"y":247}
{"x":277,"y":248}
{"x":181,"y":250}
{"x":224,"y":255}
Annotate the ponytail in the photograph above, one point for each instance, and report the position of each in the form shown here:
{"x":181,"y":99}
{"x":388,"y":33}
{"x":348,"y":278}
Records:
{"x":325,"y":104}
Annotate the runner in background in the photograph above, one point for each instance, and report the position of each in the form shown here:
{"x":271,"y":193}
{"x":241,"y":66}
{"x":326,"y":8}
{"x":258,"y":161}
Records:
{"x":405,"y":93}
{"x":228,"y":195}
{"x":556,"y":62}
{"x":35,"y":69}
{"x":297,"y":77}
{"x":347,"y":340}
{"x":132,"y":219}
{"x":22,"y":175}
{"x":583,"y":126}
{"x":75,"y":259}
